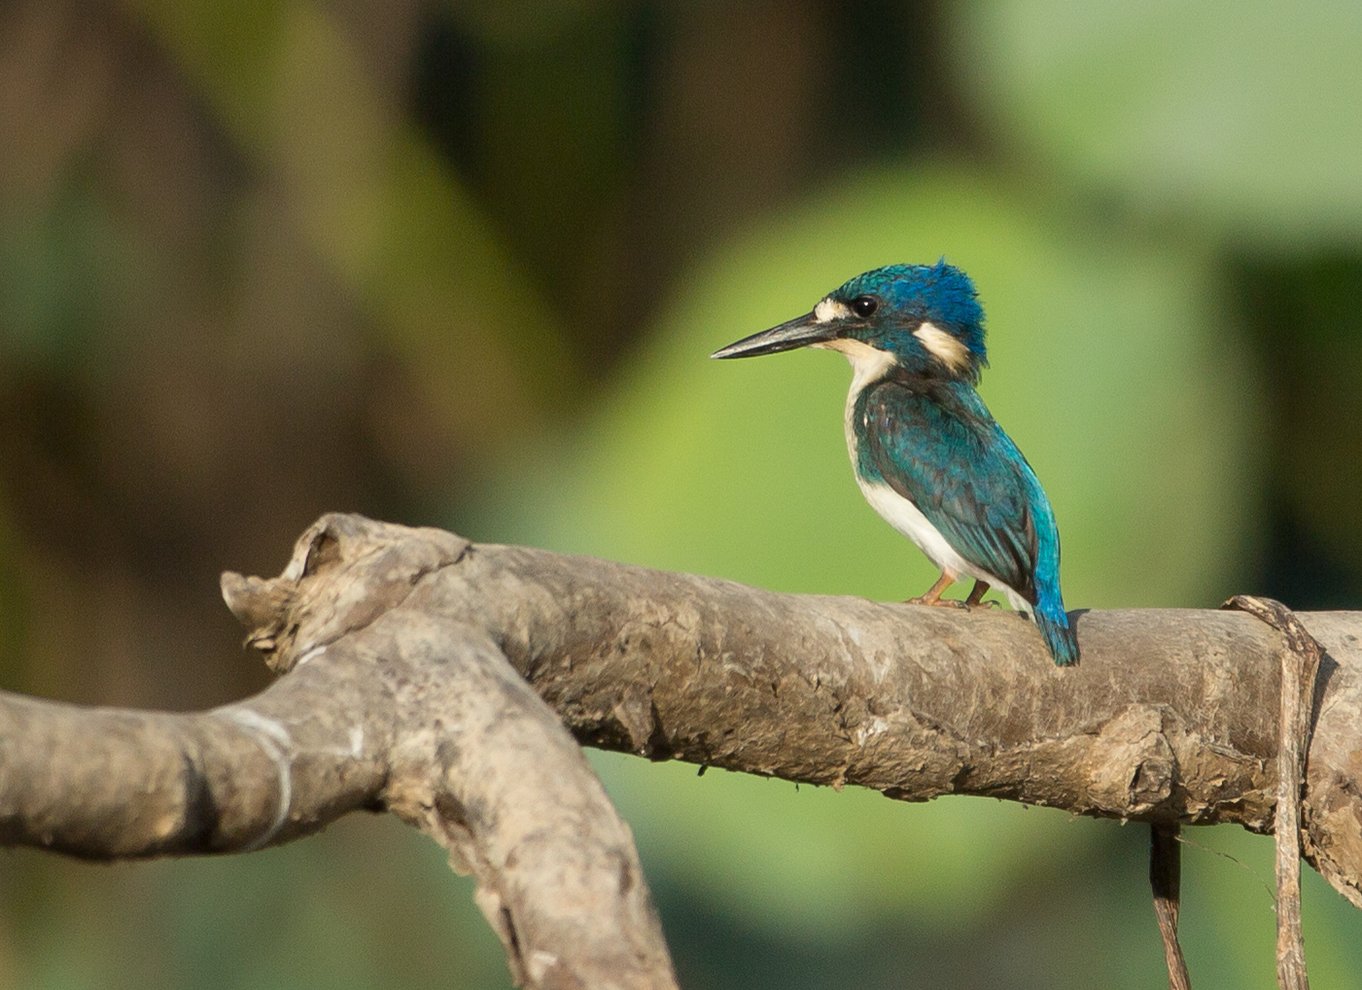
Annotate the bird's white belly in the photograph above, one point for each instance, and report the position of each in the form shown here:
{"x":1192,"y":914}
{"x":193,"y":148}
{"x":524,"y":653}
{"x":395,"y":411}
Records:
{"x":908,"y":519}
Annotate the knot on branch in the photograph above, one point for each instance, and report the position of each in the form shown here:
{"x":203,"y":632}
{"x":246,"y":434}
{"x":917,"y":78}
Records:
{"x":1139,"y":769}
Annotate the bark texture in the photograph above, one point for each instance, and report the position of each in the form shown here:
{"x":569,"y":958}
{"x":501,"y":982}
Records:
{"x":410,"y":655}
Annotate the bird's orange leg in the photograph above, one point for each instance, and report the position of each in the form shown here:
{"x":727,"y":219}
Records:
{"x":933,"y":595}
{"x":976,"y":596}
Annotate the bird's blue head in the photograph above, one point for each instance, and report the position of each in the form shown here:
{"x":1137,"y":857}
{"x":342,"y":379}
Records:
{"x":925,"y":319}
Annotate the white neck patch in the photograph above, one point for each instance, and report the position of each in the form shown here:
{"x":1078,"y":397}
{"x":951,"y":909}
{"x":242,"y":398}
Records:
{"x":830,"y":309}
{"x":868,"y":364}
{"x":947,"y":349}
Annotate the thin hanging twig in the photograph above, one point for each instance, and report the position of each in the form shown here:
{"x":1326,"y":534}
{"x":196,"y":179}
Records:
{"x":1300,"y":666}
{"x":1165,"y":872}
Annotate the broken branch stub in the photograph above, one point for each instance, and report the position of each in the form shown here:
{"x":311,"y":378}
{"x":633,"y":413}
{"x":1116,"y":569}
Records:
{"x":478,"y":761}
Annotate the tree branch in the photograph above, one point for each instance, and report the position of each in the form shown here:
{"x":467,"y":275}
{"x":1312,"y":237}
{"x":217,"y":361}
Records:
{"x":407,"y":654}
{"x":104,"y":783}
{"x":1165,"y":879}
{"x":398,"y":710}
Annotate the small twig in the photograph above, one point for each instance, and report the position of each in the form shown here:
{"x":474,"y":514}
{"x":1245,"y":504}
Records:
{"x":1300,"y":666}
{"x":1165,"y":870}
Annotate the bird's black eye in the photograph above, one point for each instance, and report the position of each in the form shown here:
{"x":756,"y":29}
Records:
{"x":865,"y":306}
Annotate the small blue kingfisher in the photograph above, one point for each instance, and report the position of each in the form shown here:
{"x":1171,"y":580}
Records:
{"x":928,"y":455}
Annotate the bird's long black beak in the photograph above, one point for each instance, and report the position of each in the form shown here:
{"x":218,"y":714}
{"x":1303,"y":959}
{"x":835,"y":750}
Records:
{"x":799,"y":332}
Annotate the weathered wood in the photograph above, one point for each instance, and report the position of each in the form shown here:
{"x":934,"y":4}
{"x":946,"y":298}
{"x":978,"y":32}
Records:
{"x":399,"y":645}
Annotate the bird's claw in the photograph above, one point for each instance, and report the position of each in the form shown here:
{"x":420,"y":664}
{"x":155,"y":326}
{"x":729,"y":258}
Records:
{"x":936,"y":602}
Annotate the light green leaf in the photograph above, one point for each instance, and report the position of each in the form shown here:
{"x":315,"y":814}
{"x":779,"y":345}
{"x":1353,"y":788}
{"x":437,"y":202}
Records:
{"x":1242,"y":115}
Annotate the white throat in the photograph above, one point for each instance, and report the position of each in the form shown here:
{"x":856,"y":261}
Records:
{"x":868,"y":364}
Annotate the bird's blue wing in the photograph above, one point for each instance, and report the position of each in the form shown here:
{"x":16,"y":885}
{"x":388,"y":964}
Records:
{"x":941,"y":450}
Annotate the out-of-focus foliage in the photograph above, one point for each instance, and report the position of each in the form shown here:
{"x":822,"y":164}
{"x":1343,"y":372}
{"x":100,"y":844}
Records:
{"x":464,"y":263}
{"x":1231,"y":117}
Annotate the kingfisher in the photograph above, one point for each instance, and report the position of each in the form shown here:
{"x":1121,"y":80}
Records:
{"x":928,"y":455}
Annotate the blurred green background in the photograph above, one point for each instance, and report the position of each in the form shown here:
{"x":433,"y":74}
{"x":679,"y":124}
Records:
{"x":461,"y":264}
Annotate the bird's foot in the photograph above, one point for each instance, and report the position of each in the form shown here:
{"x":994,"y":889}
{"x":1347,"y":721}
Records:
{"x":976,"y":596}
{"x":935,"y":602}
{"x":983,"y":605}
{"x":933,"y":595}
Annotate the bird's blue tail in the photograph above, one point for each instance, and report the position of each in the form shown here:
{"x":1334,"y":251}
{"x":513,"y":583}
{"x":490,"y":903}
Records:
{"x":1059,"y":636}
